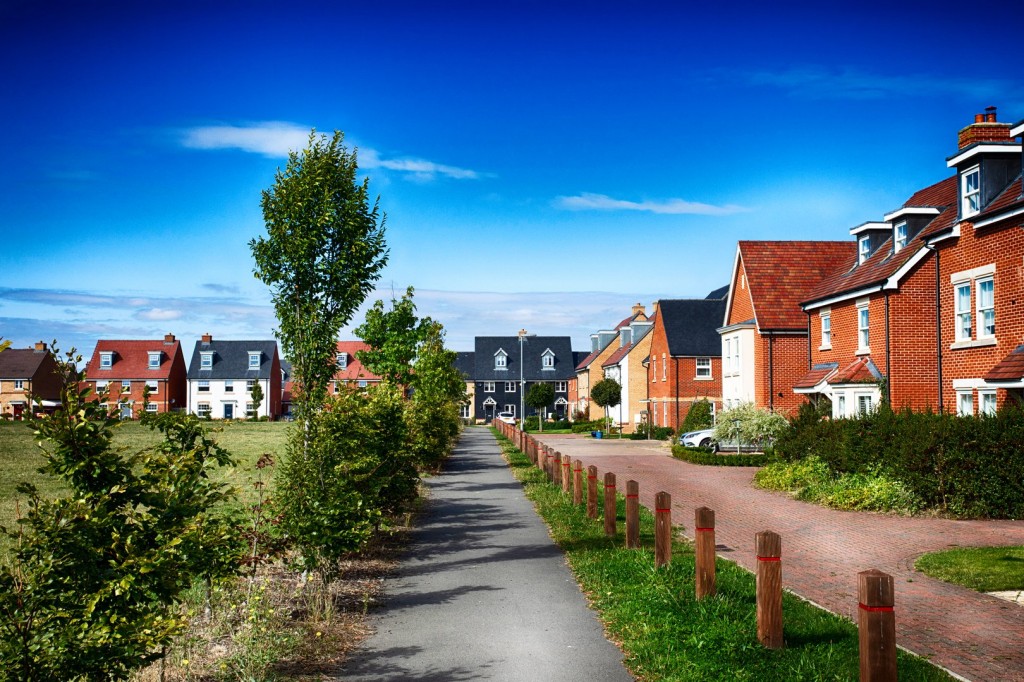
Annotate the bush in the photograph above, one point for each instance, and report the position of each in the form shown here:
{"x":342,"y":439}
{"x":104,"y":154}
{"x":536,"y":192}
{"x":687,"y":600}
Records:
{"x":748,"y":423}
{"x":698,"y":417}
{"x":645,"y":431}
{"x":587,"y":427}
{"x":706,"y":456}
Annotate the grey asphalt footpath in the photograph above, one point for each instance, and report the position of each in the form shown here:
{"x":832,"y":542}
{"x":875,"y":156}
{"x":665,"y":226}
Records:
{"x":483,"y":592}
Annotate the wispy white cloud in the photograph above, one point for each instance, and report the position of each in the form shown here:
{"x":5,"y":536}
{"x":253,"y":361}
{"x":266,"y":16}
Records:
{"x":157,"y":314}
{"x":818,"y":82}
{"x":276,"y":139}
{"x":601,"y":202}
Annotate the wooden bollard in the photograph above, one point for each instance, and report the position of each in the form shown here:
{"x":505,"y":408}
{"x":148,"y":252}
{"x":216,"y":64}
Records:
{"x":876,"y":622}
{"x":566,"y":473}
{"x":632,"y":515}
{"x":577,"y":483}
{"x":662,"y":529}
{"x":592,"y":492}
{"x":556,"y":468}
{"x":769,"y":589}
{"x":704,"y":535}
{"x":609,"y":504}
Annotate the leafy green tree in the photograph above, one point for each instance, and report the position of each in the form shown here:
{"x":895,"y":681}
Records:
{"x":393,"y":337}
{"x":606,"y":393}
{"x":91,"y":588}
{"x":323,"y":252}
{"x":257,"y":398}
{"x":432,"y":413}
{"x":538,"y":397}
{"x":145,"y":400}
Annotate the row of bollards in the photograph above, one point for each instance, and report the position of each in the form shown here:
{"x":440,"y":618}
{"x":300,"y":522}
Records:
{"x":875,"y":589}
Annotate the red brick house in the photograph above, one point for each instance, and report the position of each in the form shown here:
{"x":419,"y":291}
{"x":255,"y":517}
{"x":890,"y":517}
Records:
{"x":124,"y":368}
{"x":29,"y":382}
{"x":685,"y":358}
{"x":764,"y":334}
{"x":350,"y":370}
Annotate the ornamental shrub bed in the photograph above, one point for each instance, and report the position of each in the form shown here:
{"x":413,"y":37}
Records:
{"x":706,"y":456}
{"x":970,"y":467}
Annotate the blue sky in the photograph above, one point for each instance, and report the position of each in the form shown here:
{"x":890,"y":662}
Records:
{"x":541,"y":165}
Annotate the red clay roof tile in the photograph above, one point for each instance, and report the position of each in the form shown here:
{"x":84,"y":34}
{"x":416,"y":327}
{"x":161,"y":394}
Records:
{"x":131,"y":359}
{"x":1010,"y":368}
{"x":354,"y":369}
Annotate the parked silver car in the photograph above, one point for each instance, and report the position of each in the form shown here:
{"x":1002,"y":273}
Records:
{"x":705,"y":438}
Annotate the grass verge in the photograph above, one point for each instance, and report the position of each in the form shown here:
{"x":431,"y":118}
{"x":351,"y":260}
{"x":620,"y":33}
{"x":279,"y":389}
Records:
{"x":985,"y":569}
{"x":664,"y":632}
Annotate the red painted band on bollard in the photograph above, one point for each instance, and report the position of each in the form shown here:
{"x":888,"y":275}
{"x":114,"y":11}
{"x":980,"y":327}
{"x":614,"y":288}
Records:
{"x":883,"y":609}
{"x":663,"y":511}
{"x":565,"y":464}
{"x":592,"y":478}
{"x":769,"y":558}
{"x":609,"y":485}
{"x":632,"y":497}
{"x":701,"y":530}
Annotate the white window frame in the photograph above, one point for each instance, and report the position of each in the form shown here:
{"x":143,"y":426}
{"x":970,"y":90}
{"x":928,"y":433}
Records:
{"x":987,"y":402}
{"x":826,"y":329}
{"x":900,"y":233}
{"x":863,"y":328}
{"x":250,"y":410}
{"x":703,"y":368}
{"x":203,"y":409}
{"x":561,"y":386}
{"x":106,"y":359}
{"x":361,"y":383}
{"x":249,"y":383}
{"x":254,"y":360}
{"x":863,"y":248}
{"x":547,"y":360}
{"x":152,"y":408}
{"x":334,"y":387}
{"x":229,"y":385}
{"x":126,"y":385}
{"x":19,"y":384}
{"x":970,"y":192}
{"x":154,"y":386}
{"x":202,"y":386}
{"x":510,"y":408}
{"x":841,"y":404}
{"x":727,"y":356}
{"x":736,"y":355}
{"x":101,"y":386}
{"x":861,"y":399}
{"x":341,"y":360}
{"x":501,"y":360}
{"x":965,"y":403}
{"x":654,"y":369}
{"x":664,"y":368}
{"x":986,"y":307}
{"x":206,"y":360}
{"x":962,"y":311}
{"x":510,"y":387}
{"x":489,"y":387}
{"x":154,"y":360}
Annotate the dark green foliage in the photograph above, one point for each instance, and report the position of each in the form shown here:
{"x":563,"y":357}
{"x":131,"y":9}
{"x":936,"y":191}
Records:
{"x":438,"y":391}
{"x":705,"y":456}
{"x":698,"y":417}
{"x":257,"y":398}
{"x":89,"y":592}
{"x":540,"y":395}
{"x":532,"y":424}
{"x":606,"y":393}
{"x":587,"y":427}
{"x":393,"y":337}
{"x":966,"y":466}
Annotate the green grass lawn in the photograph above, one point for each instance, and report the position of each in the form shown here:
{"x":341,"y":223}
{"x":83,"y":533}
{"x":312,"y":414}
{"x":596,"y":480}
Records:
{"x":246,"y":441}
{"x":985,"y":569}
{"x":665,"y":633}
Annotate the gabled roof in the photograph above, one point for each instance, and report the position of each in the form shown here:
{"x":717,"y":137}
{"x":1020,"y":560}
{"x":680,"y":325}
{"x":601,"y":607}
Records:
{"x":531,"y":369}
{"x":691,"y":326}
{"x":464,"y":364}
{"x":616,"y":357}
{"x":231,"y":360}
{"x":131,"y":359}
{"x":1008,"y":370}
{"x":815,"y":376}
{"x":782,"y":274}
{"x":354,"y":368}
{"x":587,"y":359}
{"x":860,"y":371}
{"x":21,"y":363}
{"x":720,"y":292}
{"x":884,"y":263}
{"x":1009,"y":203}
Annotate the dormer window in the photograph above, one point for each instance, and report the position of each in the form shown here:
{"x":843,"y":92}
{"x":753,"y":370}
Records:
{"x":501,"y":360}
{"x":254,"y":359}
{"x":106,"y":359}
{"x":547,"y":360}
{"x":206,"y":360}
{"x":154,"y":360}
{"x":970,"y":192}
{"x":342,"y":360}
{"x":900,"y":235}
{"x":863,"y":248}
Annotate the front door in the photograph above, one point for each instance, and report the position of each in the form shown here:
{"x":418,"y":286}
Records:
{"x":126,"y":411}
{"x":18,"y":409}
{"x":229,"y":411}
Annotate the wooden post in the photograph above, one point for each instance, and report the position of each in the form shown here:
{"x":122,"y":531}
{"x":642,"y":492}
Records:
{"x":566,"y":473}
{"x":662,"y":529}
{"x":592,"y":492}
{"x":555,"y":472}
{"x":632,"y":515}
{"x":577,"y":483}
{"x":704,"y":536}
{"x":769,"y":589}
{"x":609,"y":504}
{"x":876,"y":622}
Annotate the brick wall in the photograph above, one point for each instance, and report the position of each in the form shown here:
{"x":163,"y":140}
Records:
{"x":780,"y":361}
{"x":741,"y":307}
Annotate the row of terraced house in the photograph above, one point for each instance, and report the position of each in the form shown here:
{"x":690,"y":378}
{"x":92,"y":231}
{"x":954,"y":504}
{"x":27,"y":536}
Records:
{"x":923,"y":307}
{"x":137,"y":375}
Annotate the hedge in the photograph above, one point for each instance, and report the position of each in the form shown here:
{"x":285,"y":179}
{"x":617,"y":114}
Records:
{"x":706,"y":456}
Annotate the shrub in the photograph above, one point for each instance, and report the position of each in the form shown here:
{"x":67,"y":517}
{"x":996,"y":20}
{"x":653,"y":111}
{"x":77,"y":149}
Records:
{"x":705,"y":456}
{"x":587,"y":427}
{"x":698,"y":417}
{"x":748,"y":423}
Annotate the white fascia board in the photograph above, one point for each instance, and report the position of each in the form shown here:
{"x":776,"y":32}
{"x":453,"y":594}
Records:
{"x":982,"y":149}
{"x":736,"y":327}
{"x":894,"y":280}
{"x":912,"y":210}
{"x":1000,"y":217}
{"x":843,"y":297}
{"x":870,"y":225}
{"x":732,"y":285}
{"x":955,"y":233}
{"x":1017,"y":130}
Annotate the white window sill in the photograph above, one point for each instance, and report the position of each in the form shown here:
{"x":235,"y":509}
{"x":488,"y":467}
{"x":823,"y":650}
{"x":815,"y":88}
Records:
{"x":972,"y":343}
{"x":703,"y":378}
{"x":863,"y":351}
{"x":828,"y":347}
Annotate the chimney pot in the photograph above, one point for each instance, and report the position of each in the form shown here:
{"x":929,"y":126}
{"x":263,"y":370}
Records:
{"x":979,"y":118}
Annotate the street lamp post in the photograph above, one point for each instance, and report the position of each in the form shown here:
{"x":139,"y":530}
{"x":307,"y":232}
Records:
{"x":522,"y":379}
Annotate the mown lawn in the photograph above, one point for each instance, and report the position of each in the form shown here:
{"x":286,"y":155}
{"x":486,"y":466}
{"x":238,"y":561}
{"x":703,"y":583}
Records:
{"x":21,"y":457}
{"x":985,"y":569}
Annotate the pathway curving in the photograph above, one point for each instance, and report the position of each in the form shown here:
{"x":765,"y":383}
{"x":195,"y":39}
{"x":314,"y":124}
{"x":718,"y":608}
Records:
{"x":483,"y":593}
{"x":972,"y":634}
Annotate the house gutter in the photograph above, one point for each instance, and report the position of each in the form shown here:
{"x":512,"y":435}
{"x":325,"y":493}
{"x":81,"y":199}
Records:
{"x":938,"y":322}
{"x":810,"y":358}
{"x":771,"y":372}
{"x":888,"y":363}
{"x":676,"y":363}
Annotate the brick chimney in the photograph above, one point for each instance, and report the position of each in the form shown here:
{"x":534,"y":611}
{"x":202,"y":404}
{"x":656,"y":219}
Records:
{"x":168,"y":338}
{"x":40,"y":346}
{"x":638,"y":308}
{"x":207,"y":338}
{"x":984,"y":129}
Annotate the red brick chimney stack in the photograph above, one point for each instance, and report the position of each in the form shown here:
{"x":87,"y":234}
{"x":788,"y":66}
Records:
{"x":984,"y":129}
{"x":207,"y":338}
{"x":168,"y":338}
{"x":40,"y":346}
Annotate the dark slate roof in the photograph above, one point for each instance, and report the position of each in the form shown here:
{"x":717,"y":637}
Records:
{"x":231,"y":359}
{"x":691,"y":326}
{"x":464,"y":364}
{"x":578,"y":356}
{"x":720,"y":292}
{"x":20,"y":363}
{"x":533,"y":348}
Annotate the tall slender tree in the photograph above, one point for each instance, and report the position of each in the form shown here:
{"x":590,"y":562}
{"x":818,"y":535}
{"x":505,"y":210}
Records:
{"x":393,"y":337}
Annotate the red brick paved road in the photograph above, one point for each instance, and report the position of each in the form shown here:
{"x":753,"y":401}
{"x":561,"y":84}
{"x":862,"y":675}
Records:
{"x":969,"y":633}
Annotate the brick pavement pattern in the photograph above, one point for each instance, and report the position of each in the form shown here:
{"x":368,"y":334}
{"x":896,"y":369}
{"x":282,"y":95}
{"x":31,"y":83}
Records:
{"x":974,"y":635}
